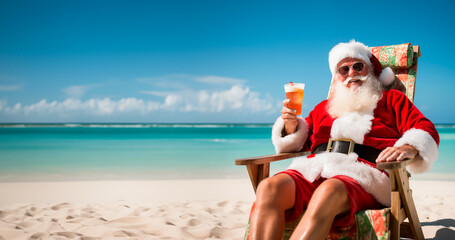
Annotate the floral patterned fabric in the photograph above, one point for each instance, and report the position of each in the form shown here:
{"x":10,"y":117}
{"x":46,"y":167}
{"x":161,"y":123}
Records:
{"x":403,"y":61}
{"x":372,"y":224}
{"x":395,"y":56}
{"x":369,"y":225}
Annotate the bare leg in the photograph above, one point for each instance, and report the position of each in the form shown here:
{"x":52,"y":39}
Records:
{"x":330,"y":199}
{"x":274,"y":196}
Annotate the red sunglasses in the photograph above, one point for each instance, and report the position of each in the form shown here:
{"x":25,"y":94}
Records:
{"x":344,"y":70}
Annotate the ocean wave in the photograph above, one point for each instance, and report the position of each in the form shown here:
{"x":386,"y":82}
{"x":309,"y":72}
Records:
{"x":199,"y":125}
{"x":115,"y":126}
{"x":29,"y":125}
{"x":444,"y":125}
{"x":13,"y":125}
{"x":135,"y":125}
{"x":447,"y":136}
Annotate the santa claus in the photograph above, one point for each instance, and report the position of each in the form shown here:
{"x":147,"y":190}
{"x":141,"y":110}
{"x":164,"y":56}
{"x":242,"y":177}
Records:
{"x":360,"y":124}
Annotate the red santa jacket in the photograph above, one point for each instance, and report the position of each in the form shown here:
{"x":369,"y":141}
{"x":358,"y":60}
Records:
{"x":394,"y":121}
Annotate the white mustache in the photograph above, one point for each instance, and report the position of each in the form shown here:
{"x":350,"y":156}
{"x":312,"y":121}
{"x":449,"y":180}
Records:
{"x":361,"y":78}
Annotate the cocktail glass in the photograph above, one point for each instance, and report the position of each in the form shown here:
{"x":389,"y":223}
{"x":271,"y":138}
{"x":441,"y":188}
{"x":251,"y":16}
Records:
{"x":294,"y":92}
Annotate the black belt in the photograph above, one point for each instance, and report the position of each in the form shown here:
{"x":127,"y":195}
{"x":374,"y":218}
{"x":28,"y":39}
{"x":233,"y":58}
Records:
{"x":367,"y":153}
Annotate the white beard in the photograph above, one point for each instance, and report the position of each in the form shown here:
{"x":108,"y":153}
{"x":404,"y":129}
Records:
{"x":360,"y":99}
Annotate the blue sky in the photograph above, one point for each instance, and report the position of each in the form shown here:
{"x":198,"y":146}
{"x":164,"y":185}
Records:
{"x":202,"y":61}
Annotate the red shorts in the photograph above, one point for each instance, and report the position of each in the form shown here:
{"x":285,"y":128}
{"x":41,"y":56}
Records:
{"x":358,"y":198}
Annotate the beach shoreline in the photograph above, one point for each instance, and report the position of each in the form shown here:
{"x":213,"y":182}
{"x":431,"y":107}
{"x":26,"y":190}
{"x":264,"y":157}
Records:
{"x":160,"y":209}
{"x":134,"y":191}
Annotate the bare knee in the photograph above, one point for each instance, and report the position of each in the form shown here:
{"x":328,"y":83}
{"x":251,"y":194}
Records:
{"x":269,"y":187}
{"x":330,"y":199}
{"x":335,"y":188}
{"x":277,"y":191}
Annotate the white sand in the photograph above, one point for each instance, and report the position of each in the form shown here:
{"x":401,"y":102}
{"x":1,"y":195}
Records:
{"x":180,"y":209}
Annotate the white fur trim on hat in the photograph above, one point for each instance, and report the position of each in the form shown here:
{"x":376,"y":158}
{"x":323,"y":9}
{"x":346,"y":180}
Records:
{"x":425,"y":144}
{"x":292,"y":142}
{"x":352,"y":49}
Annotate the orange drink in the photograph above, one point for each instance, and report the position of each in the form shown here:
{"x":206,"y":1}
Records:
{"x":294,"y":92}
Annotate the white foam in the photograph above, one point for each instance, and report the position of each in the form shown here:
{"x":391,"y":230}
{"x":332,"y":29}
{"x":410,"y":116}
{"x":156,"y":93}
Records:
{"x":295,"y":87}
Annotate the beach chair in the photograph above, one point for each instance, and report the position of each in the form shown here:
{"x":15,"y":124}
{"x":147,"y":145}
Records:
{"x":388,"y":223}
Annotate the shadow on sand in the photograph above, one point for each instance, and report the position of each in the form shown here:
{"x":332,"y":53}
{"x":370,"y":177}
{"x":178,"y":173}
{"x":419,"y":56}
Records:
{"x":444,"y":233}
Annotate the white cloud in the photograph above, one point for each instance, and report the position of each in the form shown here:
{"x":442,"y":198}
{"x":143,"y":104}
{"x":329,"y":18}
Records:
{"x":220,"y":80}
{"x":233,"y":100}
{"x":3,"y":104}
{"x":95,"y":107}
{"x":41,"y":106}
{"x":172,"y":101}
{"x":230,"y":97}
{"x":77,"y":91}
{"x":10,"y":88}
{"x":14,"y":110}
{"x":156,"y":93}
{"x":238,"y":98}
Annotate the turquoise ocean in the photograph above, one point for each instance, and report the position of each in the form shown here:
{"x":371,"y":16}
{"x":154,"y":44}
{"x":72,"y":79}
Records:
{"x":80,"y":152}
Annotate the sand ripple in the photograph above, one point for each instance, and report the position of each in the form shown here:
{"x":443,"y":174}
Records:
{"x":184,"y":220}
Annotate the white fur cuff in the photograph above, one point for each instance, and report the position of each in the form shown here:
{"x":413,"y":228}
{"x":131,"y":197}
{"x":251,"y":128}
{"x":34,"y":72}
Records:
{"x":292,"y":142}
{"x":425,"y":144}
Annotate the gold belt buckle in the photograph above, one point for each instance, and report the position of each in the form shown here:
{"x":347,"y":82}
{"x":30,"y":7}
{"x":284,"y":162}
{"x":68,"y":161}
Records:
{"x":351,"y":144}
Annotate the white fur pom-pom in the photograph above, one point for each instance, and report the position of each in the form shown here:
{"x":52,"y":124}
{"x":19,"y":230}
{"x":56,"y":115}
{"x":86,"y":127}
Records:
{"x":387,"y":76}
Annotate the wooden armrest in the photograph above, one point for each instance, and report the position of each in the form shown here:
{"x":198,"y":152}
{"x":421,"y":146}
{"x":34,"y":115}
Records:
{"x":282,"y":156}
{"x":268,"y":158}
{"x":395,"y":164}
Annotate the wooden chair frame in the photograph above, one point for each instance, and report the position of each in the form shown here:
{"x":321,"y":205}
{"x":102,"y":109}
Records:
{"x":402,"y":204}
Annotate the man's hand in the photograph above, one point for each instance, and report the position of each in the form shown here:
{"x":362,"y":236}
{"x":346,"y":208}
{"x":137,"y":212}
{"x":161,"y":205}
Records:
{"x":391,"y":154}
{"x":289,"y":118}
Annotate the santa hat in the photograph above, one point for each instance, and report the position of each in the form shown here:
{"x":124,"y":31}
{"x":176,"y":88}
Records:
{"x":358,"y":50}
